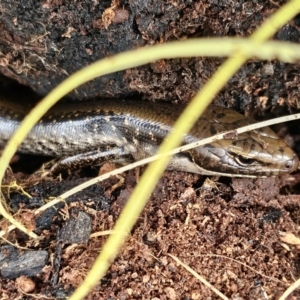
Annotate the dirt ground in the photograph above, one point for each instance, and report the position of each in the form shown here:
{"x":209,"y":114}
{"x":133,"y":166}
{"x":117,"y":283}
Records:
{"x":236,"y":233}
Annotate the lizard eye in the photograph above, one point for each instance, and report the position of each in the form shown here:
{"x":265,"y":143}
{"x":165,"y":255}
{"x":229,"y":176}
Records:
{"x":244,"y":161}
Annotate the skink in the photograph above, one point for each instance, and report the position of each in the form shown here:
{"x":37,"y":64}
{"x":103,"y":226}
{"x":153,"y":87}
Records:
{"x":89,"y":133}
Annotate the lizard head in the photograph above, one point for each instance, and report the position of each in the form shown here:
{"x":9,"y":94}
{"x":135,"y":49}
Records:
{"x":258,"y":153}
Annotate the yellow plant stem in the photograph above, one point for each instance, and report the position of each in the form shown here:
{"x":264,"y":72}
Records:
{"x":285,"y":51}
{"x":149,"y":179}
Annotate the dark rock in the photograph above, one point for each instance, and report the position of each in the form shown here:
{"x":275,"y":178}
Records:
{"x":14,"y":263}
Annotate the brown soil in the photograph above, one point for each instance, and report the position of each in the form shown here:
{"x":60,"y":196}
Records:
{"x":229,"y":230}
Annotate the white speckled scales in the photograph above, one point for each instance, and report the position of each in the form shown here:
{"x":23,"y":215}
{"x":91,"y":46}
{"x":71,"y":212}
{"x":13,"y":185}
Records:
{"x":88,"y":133}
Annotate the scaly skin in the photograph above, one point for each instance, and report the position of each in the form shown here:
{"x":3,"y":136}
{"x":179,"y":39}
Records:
{"x":86,"y":133}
